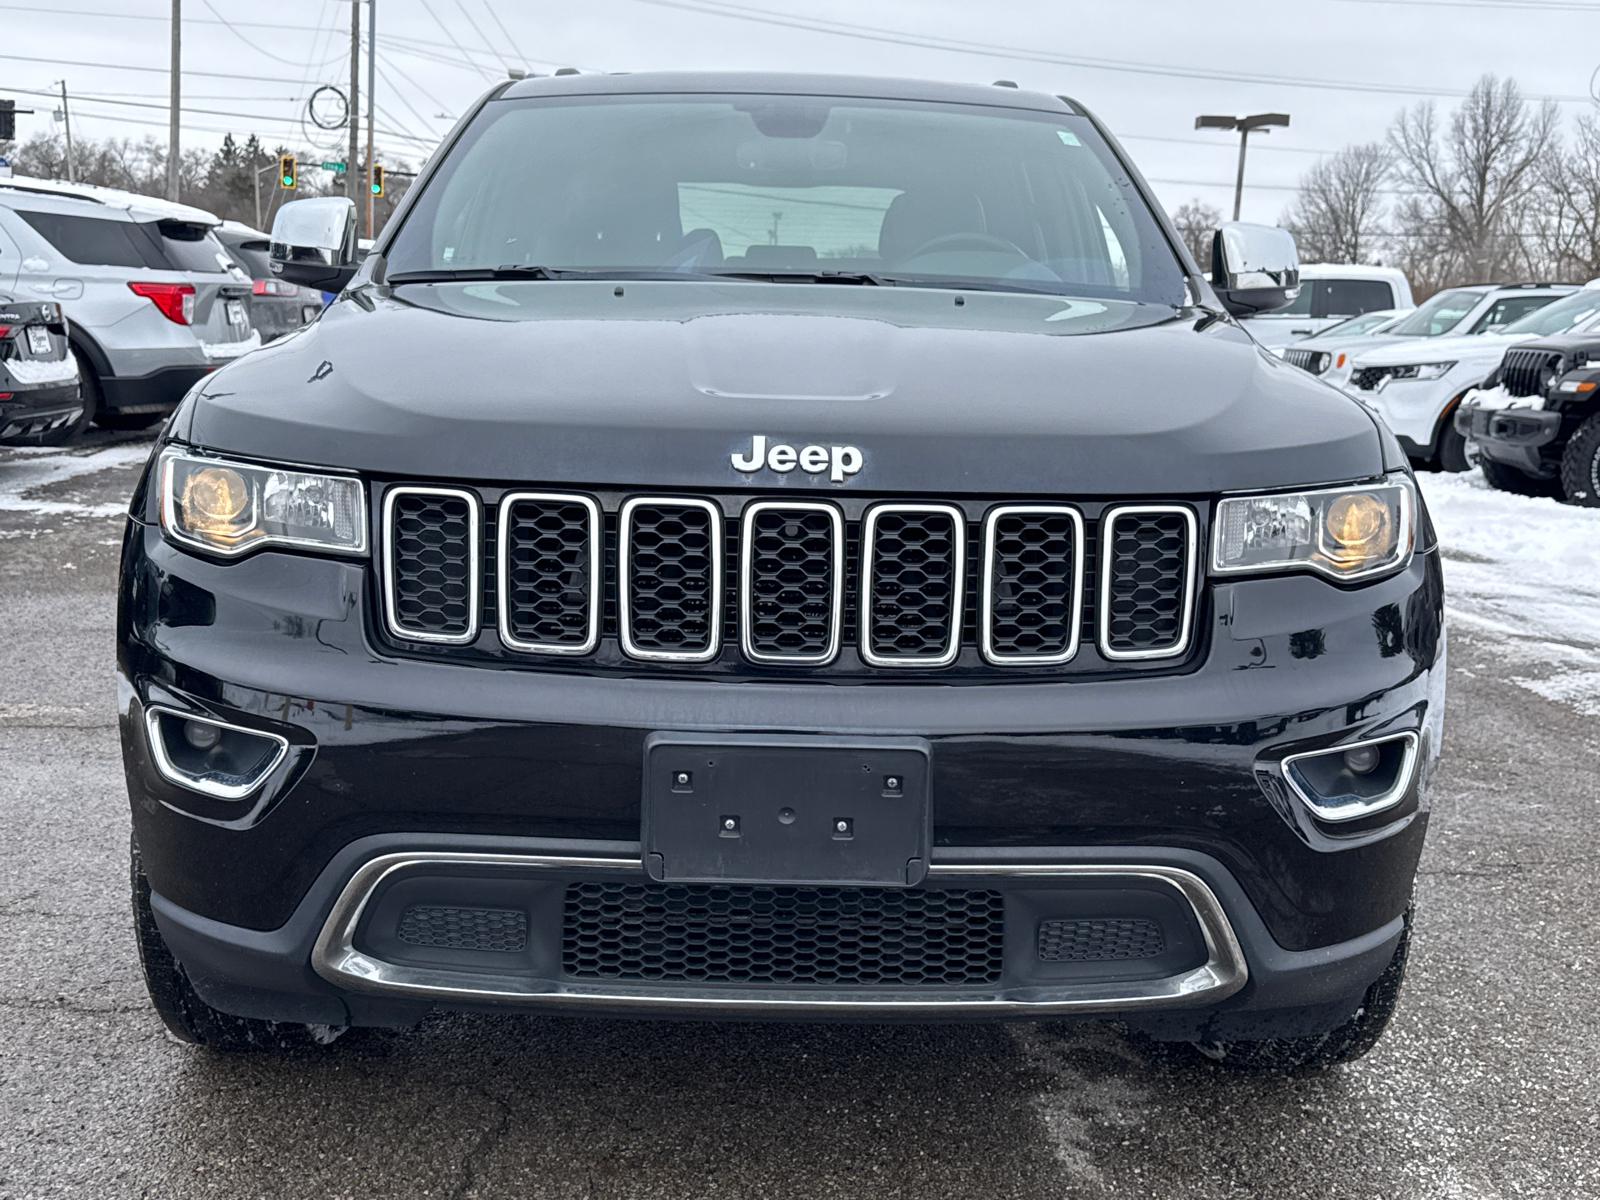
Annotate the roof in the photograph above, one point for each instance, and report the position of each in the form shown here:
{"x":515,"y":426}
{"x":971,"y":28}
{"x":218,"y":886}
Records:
{"x":782,"y":84}
{"x":1348,"y":271}
{"x":148,"y":208}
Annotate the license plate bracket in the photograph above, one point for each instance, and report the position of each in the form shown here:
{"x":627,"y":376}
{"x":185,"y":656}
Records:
{"x":236,"y":314}
{"x":807,"y":810}
{"x":38,"y":341}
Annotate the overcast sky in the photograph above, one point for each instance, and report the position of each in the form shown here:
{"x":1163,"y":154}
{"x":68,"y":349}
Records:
{"x":1147,"y":67}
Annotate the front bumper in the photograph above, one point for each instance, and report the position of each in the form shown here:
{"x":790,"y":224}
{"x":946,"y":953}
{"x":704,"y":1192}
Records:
{"x":1152,"y":781}
{"x":1517,"y":437}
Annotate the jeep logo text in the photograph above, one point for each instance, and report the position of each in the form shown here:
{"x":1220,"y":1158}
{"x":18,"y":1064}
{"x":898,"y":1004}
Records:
{"x":837,"y":461}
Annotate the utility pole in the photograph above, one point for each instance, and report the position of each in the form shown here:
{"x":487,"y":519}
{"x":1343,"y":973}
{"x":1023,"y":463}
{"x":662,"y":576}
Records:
{"x":66,"y":119}
{"x":372,"y":92}
{"x":172,"y":116}
{"x":352,"y":177}
{"x":1261,"y":121}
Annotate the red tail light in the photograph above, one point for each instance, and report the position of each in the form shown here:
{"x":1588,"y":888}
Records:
{"x":272,"y":287}
{"x":5,"y":331}
{"x":175,"y":300}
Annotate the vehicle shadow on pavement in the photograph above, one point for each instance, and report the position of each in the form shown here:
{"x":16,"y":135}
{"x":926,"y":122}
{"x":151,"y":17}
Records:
{"x":500,"y":1106}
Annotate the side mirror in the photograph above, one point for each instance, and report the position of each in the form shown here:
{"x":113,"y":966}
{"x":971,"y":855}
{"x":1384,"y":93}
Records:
{"x":1254,"y":268}
{"x":314,"y":242}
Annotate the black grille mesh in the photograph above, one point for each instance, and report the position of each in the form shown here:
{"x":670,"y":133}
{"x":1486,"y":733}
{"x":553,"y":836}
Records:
{"x":791,"y":935}
{"x":1529,"y":372}
{"x":431,"y":549}
{"x":1032,"y":557}
{"x":503,"y":930}
{"x":791,"y":582}
{"x":548,"y":583}
{"x":671,"y":578}
{"x":912,"y":613}
{"x":1368,"y":378}
{"x":1099,"y":940}
{"x":1149,"y":558}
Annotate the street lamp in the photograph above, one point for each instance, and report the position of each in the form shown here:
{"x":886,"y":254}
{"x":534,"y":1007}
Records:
{"x":1261,"y":121}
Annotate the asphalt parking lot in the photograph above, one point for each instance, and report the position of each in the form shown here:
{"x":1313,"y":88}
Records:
{"x":1484,"y":1087}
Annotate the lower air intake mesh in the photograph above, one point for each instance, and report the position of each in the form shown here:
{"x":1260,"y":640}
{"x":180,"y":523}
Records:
{"x":499,"y":929}
{"x":827,"y":936}
{"x":1099,"y":940}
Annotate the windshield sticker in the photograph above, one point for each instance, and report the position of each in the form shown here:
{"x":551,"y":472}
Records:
{"x":1068,"y":138}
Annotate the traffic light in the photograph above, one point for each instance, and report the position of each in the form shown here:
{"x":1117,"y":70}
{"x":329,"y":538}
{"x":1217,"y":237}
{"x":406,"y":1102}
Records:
{"x":286,"y":171}
{"x":377,"y":180}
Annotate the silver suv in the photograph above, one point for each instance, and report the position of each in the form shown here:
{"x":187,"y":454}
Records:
{"x":152,"y":301}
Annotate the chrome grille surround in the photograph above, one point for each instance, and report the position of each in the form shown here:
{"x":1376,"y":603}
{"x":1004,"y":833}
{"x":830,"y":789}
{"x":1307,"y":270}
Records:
{"x":625,"y":550}
{"x":596,"y":558}
{"x":747,"y":598}
{"x":986,"y":613}
{"x":958,"y":595}
{"x":474,"y":567}
{"x":1108,"y":557}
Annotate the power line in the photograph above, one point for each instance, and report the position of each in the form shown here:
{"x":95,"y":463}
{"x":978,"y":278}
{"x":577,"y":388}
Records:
{"x":261,"y":49}
{"x":493,"y":49}
{"x":721,"y":8}
{"x":450,"y":33}
{"x":105,"y":66}
{"x":516,"y":49}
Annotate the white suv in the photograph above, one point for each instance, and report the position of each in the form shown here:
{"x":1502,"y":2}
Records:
{"x":152,"y":301}
{"x":1416,"y":384}
{"x":1330,"y":293}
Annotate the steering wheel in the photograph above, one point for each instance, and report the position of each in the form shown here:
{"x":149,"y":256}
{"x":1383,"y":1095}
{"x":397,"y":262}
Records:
{"x":967,"y":241}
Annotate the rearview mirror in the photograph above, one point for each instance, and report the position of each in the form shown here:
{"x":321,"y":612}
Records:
{"x":1254,"y":268}
{"x":314,"y":242}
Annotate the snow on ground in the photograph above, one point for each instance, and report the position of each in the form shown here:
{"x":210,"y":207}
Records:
{"x":26,"y":472}
{"x":1526,"y":573}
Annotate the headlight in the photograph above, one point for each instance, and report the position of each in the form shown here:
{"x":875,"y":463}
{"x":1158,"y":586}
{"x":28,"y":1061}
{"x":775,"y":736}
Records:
{"x":1418,"y":371}
{"x":1344,"y":533}
{"x":227,"y":507}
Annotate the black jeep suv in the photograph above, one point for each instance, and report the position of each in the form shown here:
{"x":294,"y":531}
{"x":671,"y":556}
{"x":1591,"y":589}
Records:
{"x":752,"y":546}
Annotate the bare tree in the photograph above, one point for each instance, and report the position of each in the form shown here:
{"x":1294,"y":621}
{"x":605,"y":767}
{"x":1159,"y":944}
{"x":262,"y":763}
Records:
{"x":1197,"y":222}
{"x":1472,"y":183}
{"x":1336,"y":216}
{"x":1564,"y":230}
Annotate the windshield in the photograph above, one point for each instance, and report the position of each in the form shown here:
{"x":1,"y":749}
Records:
{"x":1559,"y":316}
{"x":791,"y":186}
{"x":1439,"y":313}
{"x":1366,"y":323}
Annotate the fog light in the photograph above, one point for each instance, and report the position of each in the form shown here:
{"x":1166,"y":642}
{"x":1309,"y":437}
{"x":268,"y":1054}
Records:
{"x":212,"y":757}
{"x":1345,"y":783}
{"x":1361,"y":761}
{"x":201,"y":737}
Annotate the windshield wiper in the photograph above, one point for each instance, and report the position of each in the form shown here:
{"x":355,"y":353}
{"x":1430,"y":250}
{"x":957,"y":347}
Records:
{"x":512,"y":271}
{"x":818,"y":276}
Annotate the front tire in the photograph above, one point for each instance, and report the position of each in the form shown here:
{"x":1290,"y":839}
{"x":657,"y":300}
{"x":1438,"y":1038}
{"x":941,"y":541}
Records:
{"x":189,"y":1018}
{"x":1519,"y":483}
{"x":1580,"y":465}
{"x":1344,"y":1044}
{"x":1453,"y":456}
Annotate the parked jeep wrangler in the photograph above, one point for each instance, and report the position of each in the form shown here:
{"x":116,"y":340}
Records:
{"x":1537,"y":419}
{"x":760,"y":546}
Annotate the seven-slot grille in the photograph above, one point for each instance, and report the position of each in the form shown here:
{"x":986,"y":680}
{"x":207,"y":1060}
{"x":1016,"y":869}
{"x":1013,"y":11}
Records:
{"x":1529,"y":372}
{"x":666,"y":574}
{"x":1315,"y":361}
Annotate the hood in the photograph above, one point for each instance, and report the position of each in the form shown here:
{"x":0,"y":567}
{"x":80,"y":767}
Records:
{"x":1350,"y":343}
{"x":664,"y":383}
{"x":1489,"y":347}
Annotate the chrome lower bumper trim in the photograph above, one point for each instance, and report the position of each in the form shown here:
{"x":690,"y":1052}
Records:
{"x":336,"y":959}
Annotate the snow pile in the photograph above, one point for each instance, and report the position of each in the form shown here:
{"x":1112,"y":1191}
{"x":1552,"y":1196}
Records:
{"x":1496,"y":398}
{"x":1526,"y":572}
{"x":26,"y":470}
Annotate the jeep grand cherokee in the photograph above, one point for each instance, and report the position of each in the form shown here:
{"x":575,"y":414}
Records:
{"x":767,"y":546}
